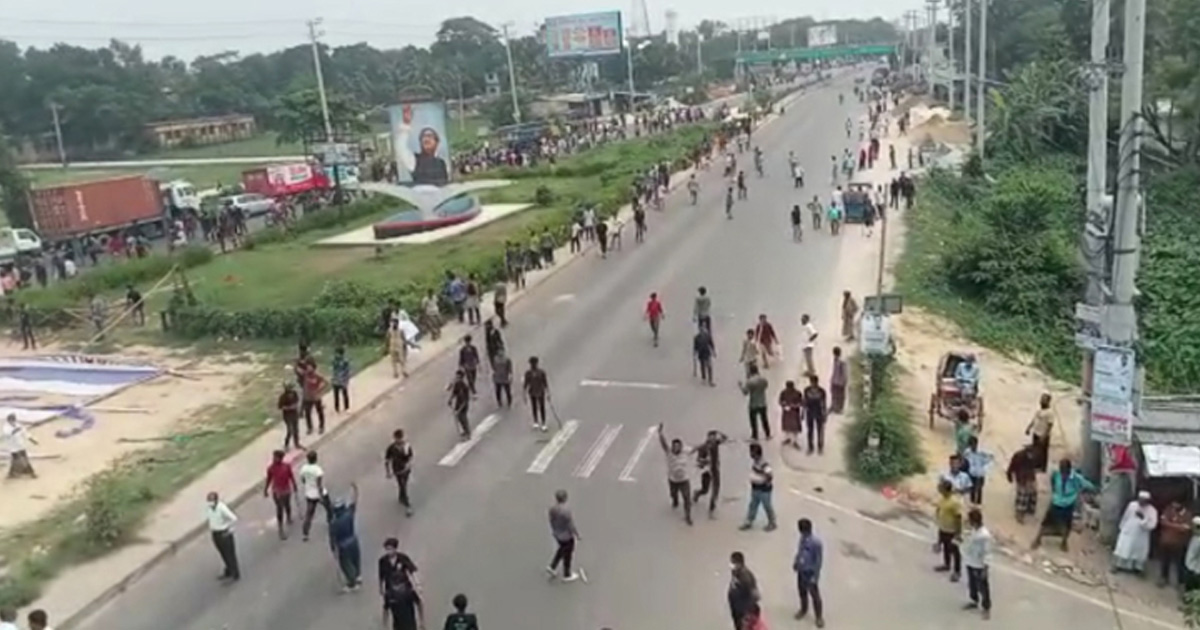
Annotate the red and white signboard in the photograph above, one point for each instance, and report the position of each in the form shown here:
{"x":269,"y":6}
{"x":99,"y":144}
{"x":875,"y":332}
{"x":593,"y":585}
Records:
{"x":285,"y":179}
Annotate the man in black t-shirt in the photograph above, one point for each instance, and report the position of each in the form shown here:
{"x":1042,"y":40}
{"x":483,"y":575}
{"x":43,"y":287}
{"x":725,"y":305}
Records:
{"x":399,"y":588}
{"x":468,"y":362}
{"x":708,"y":460}
{"x":537,"y":391}
{"x":460,"y":619}
{"x":398,"y":465}
{"x":460,"y":402}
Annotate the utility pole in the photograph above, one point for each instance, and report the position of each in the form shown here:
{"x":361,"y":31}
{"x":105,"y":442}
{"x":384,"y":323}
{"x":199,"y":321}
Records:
{"x":313,"y":36}
{"x":968,"y":17}
{"x":699,"y":57}
{"x":931,"y":43}
{"x":62,"y":153}
{"x":1096,"y":227}
{"x":980,"y":120}
{"x":629,"y":46}
{"x":953,"y":87}
{"x":512,"y":76}
{"x":793,"y":39}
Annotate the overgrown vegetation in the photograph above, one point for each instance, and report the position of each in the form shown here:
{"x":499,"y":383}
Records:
{"x":882,"y":445}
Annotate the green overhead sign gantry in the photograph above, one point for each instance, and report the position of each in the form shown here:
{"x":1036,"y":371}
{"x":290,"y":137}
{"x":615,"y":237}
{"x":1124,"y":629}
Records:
{"x":809,"y":54}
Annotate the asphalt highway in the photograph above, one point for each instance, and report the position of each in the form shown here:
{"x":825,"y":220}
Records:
{"x":480,"y":524}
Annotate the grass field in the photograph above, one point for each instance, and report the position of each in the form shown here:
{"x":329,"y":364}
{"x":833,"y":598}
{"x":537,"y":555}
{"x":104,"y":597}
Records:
{"x":202,"y":176}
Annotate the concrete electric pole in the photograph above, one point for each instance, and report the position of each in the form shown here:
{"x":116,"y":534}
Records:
{"x":512,"y":77}
{"x":1099,"y":211}
{"x":981,"y":119}
{"x":953,"y":86}
{"x":968,"y":18}
{"x":58,"y":139}
{"x":931,"y":7}
{"x":314,"y":37}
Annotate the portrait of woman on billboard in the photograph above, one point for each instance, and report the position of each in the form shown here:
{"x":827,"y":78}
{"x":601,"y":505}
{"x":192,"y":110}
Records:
{"x":423,"y":160}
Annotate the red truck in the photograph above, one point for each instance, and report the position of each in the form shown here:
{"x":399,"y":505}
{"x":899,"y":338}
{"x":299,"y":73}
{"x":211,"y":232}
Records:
{"x":97,"y":207}
{"x":281,"y":180}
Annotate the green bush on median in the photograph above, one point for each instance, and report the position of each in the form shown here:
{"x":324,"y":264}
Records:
{"x":882,"y":445}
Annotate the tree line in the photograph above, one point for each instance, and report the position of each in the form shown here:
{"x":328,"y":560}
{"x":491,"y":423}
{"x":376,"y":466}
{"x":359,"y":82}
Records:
{"x":105,"y":96}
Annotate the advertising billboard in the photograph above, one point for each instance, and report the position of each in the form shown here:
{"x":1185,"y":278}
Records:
{"x":420,"y":143}
{"x":822,"y":35}
{"x":584,"y":35}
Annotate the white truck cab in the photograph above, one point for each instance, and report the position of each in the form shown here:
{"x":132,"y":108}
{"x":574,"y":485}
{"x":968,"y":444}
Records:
{"x":14,"y":241}
{"x":179,"y":194}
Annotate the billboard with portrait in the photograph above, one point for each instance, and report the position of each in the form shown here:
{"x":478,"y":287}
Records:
{"x":584,"y":35}
{"x":822,"y":35}
{"x":420,"y":143}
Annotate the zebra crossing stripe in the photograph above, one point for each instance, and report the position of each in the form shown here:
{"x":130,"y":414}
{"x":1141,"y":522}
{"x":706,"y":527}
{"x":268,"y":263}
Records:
{"x":551,"y":449}
{"x":596,"y":453}
{"x":627,"y":472}
{"x":461,"y":449}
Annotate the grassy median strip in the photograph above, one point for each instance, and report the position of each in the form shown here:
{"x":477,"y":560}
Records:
{"x":266,"y":290}
{"x":882,"y":445}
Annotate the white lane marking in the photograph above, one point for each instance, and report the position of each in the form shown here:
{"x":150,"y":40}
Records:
{"x":565,"y":297}
{"x":1017,"y":573}
{"x":596,"y":453}
{"x":631,"y":385}
{"x":627,"y":472}
{"x":551,"y":449}
{"x":461,"y":449}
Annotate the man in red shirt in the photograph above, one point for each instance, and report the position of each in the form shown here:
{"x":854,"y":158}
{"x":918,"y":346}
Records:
{"x":654,"y":315}
{"x":281,"y":484}
{"x":312,"y":385}
{"x":764,"y":334}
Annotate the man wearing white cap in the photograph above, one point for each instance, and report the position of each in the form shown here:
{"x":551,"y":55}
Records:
{"x":1133,"y":543}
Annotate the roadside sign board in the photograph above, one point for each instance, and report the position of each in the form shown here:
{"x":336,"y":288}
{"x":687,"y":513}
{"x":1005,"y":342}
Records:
{"x":1114,"y":371}
{"x":874,"y":334}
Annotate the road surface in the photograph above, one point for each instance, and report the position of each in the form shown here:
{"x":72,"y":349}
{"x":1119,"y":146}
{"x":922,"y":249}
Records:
{"x":480,"y":526}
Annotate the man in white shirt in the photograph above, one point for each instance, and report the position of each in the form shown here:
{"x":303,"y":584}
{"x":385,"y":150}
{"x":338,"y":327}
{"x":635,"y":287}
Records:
{"x":220,"y":525}
{"x":8,"y":619}
{"x":977,"y":556}
{"x":838,"y":198}
{"x":810,"y":342}
{"x":16,"y":441}
{"x":312,"y":484}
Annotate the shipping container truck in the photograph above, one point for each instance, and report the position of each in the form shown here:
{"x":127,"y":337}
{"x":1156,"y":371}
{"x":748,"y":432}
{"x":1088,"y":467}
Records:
{"x":98,"y":207}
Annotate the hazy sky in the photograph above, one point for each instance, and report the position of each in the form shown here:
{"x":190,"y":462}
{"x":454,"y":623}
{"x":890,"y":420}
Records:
{"x":191,"y":28}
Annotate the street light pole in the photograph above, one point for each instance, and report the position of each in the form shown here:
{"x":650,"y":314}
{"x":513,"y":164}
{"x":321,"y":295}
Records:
{"x":629,"y":67}
{"x":313,"y":36}
{"x":968,"y":17}
{"x":512,"y":77}
{"x":950,"y":47}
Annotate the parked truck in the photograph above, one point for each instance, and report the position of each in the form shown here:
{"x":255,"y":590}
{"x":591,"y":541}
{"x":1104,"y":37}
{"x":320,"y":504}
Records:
{"x":16,"y":242}
{"x":97,"y":207}
{"x":281,"y":180}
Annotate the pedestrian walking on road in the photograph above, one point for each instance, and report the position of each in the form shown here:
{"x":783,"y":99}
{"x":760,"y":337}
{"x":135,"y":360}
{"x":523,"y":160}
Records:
{"x":562,"y":527}
{"x":816,"y":411}
{"x":654,"y":315}
{"x":460,"y":403}
{"x":849,"y":315}
{"x":397,"y":460}
{"x":949,"y":520}
{"x":502,"y":375}
{"x":791,"y":404}
{"x":500,"y":302}
{"x":460,"y":619}
{"x":678,"y":473}
{"x":220,"y":526}
{"x":1022,"y":473}
{"x":755,"y":390}
{"x":1066,"y":484}
{"x":702,"y":309}
{"x":708,"y":460}
{"x":493,"y":341}
{"x":602,"y":237}
{"x":400,"y":589}
{"x":762,"y":486}
{"x":281,"y":484}
{"x":978,"y":463}
{"x":810,"y":556}
{"x":797,"y":224}
{"x":312,"y":387}
{"x":742,"y":594}
{"x":703,"y":352}
{"x":977,"y":556}
{"x":468,"y":362}
{"x":312,"y":482}
{"x":289,"y":409}
{"x":536,"y":387}
{"x":750,"y":352}
{"x":839,"y":377}
{"x":810,"y":343}
{"x":343,"y":539}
